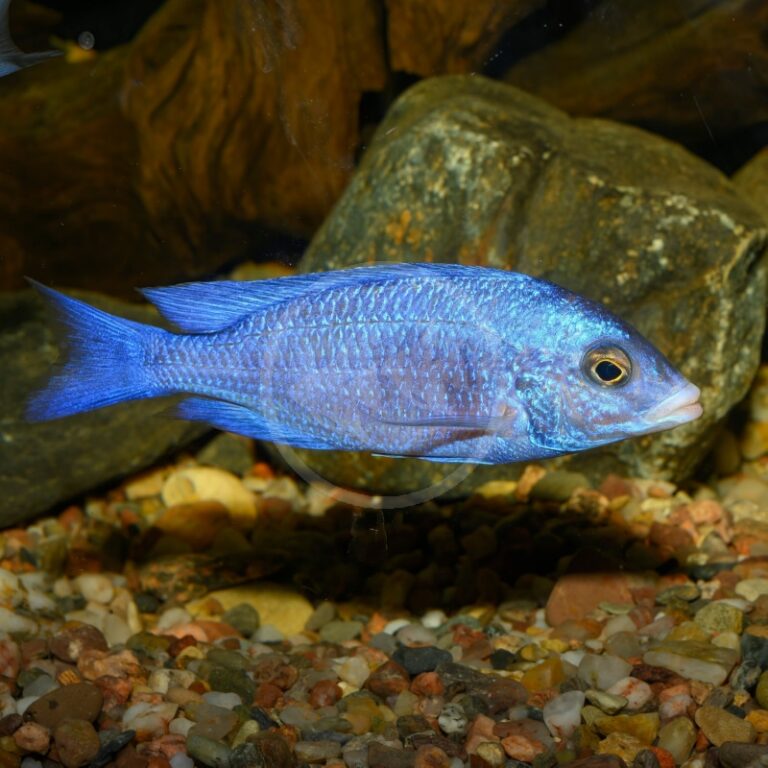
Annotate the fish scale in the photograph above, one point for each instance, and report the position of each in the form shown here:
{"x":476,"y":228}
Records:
{"x":438,"y":361}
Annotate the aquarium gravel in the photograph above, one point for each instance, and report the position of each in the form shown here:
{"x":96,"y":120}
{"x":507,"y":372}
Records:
{"x":215,"y":612}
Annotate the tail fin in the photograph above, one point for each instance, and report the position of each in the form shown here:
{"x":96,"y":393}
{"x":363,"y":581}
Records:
{"x":105,"y":363}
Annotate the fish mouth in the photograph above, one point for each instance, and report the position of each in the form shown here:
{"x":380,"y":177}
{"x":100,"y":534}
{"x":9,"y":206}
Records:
{"x":680,"y":407}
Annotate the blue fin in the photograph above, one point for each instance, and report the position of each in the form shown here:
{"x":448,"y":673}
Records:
{"x":105,"y":364}
{"x":237,"y":418}
{"x":212,"y":306}
{"x":11,"y":58}
{"x":441,"y":459}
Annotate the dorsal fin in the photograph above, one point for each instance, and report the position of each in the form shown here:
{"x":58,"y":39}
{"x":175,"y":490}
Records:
{"x":213,"y":306}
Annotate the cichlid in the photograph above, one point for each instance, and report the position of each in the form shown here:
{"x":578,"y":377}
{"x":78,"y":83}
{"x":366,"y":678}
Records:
{"x":437,"y":361}
{"x":11,"y":58}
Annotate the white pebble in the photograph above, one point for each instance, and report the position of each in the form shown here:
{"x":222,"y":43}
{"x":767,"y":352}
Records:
{"x":34,"y":580}
{"x":602,"y":672}
{"x":13,"y":622}
{"x":182,"y":760}
{"x":172,"y":617}
{"x":573,"y":657}
{"x":87,"y":617}
{"x":223,"y":700}
{"x":159,"y":680}
{"x":353,"y":670}
{"x":637,"y":692}
{"x":180,"y":726}
{"x":562,"y":715}
{"x":39,"y":601}
{"x":22,"y":704}
{"x":618,"y":624}
{"x":395,"y":626}
{"x":95,"y":587}
{"x":415,"y":634}
{"x":116,"y":631}
{"x":434,"y":619}
{"x":30,"y":762}
{"x":62,"y":587}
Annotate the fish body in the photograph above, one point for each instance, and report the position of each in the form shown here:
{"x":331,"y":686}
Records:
{"x":441,"y":362}
{"x":11,"y":58}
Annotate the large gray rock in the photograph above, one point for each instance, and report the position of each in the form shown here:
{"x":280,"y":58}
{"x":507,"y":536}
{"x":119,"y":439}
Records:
{"x":467,"y":170}
{"x":44,"y":464}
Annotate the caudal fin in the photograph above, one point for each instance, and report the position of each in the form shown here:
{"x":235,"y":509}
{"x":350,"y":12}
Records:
{"x":104,"y":365}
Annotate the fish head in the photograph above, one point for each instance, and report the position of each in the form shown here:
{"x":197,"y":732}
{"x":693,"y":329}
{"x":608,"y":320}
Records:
{"x":598,"y":380}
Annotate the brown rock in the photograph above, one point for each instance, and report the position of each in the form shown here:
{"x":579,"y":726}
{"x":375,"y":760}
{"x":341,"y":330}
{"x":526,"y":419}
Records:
{"x":752,"y":181}
{"x":388,"y":680}
{"x":33,"y":737}
{"x":195,"y":523}
{"x":382,"y":756}
{"x":577,"y":594}
{"x":74,"y":638}
{"x":77,"y":742}
{"x":438,"y":37}
{"x":81,"y":701}
{"x":429,"y":756}
{"x":632,"y":61}
{"x":93,"y":664}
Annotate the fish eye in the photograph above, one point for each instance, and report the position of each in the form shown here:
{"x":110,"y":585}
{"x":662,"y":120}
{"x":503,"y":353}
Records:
{"x":607,"y":366}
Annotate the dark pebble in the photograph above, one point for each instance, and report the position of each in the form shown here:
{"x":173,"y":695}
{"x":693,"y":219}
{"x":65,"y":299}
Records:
{"x":262,"y":718}
{"x":246,"y":756}
{"x":735,"y":754}
{"x":745,"y":676}
{"x":407,"y":725}
{"x":450,"y":747}
{"x":754,"y":650}
{"x":720,"y":697}
{"x":75,"y":638}
{"x":128,"y":758}
{"x":645,"y":759}
{"x":81,"y":701}
{"x":10,"y":724}
{"x":381,"y":756}
{"x":418,"y":660}
{"x":274,"y":750}
{"x":232,"y":681}
{"x":502,"y":659}
{"x":708,"y":571}
{"x":76,"y":741}
{"x":146,"y":602}
{"x":599,"y":761}
{"x":111,"y":743}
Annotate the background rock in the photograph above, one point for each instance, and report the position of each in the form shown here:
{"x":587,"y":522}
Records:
{"x":44,"y":464}
{"x":467,"y":170}
{"x":691,"y":69}
{"x":752,"y":182}
{"x":435,"y":37}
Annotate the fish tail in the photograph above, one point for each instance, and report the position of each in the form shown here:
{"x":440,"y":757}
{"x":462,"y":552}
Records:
{"x":105,"y":363}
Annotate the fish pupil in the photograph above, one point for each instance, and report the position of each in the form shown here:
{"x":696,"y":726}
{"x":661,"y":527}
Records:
{"x":608,"y":371}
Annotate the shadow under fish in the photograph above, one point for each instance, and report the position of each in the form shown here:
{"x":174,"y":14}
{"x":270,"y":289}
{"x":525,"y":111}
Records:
{"x":442,"y":362}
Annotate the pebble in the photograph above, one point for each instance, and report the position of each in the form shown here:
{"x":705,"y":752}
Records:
{"x":562,"y":714}
{"x":678,"y":737}
{"x":609,"y":703}
{"x":602,"y":671}
{"x":417,"y":660}
{"x":32,"y":737}
{"x":317,"y":751}
{"x":211,"y":752}
{"x":95,"y":587}
{"x":737,"y":755}
{"x":337,"y":631}
{"x":80,"y":701}
{"x":694,"y":660}
{"x":243,"y":617}
{"x":719,"y":617}
{"x":720,"y":726}
{"x":76,"y":741}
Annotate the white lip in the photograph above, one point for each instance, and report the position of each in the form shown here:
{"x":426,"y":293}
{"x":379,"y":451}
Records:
{"x":678,"y":408}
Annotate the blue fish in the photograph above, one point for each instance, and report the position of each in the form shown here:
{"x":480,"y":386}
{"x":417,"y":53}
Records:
{"x":11,"y":58}
{"x":437,"y":361}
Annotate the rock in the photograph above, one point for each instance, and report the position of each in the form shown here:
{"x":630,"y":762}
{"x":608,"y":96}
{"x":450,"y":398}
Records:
{"x":761,"y":691}
{"x":625,"y":63}
{"x":577,"y":594}
{"x":558,"y":485}
{"x":32,"y":737}
{"x":734,"y":754}
{"x":719,"y":617}
{"x":81,"y":701}
{"x":277,"y":605}
{"x":192,"y":484}
{"x":76,"y":741}
{"x":317,"y":751}
{"x":751,"y":589}
{"x":562,"y":714}
{"x":388,"y":679}
{"x":643,"y":727}
{"x":418,"y":660}
{"x":609,"y":703}
{"x":411,"y":201}
{"x":623,"y":745}
{"x":599,"y":761}
{"x":209,"y":752}
{"x":232,"y":453}
{"x":435,"y":37}
{"x":752,"y":181}
{"x":602,"y":671}
{"x":75,"y":637}
{"x":337,"y":631}
{"x":195,"y":523}
{"x":694,"y":660}
{"x":243,"y":617}
{"x":453,"y":720}
{"x":678,"y":737}
{"x":95,"y":447}
{"x":720,"y":726}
